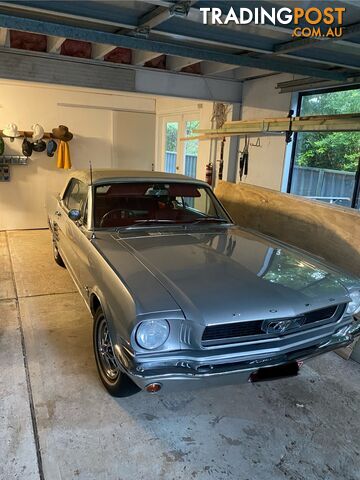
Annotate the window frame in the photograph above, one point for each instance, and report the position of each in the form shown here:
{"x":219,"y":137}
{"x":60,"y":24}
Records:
{"x":355,"y":200}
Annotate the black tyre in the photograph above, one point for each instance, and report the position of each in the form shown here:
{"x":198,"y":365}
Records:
{"x":57,"y":256}
{"x":116,"y":382}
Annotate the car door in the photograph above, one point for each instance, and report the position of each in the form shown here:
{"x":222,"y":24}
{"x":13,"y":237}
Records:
{"x":82,"y":249}
{"x":60,"y":220}
{"x":71,"y":232}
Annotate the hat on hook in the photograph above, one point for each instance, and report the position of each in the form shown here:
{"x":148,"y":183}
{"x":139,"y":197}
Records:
{"x":62,"y":133}
{"x":39,"y":146}
{"x":27,"y":148}
{"x":11,"y":130}
{"x":38,"y":132}
{"x":51,"y":148}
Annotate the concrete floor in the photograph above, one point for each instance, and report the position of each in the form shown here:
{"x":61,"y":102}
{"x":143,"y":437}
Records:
{"x":57,"y":422}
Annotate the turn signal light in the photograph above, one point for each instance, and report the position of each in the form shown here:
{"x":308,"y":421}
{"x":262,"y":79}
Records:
{"x":153,"y":387}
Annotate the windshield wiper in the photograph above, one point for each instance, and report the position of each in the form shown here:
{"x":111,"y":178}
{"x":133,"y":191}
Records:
{"x":138,"y":223}
{"x":153,"y":220}
{"x":209,"y":219}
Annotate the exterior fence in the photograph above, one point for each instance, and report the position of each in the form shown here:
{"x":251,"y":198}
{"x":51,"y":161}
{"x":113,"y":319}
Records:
{"x":329,"y":185}
{"x":332,"y":186}
{"x":190,"y":163}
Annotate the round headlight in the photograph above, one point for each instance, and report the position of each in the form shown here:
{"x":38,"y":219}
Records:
{"x":152,"y":333}
{"x":354,"y":305}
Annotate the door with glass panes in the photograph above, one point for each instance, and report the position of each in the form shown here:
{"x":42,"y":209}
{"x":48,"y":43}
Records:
{"x":179,"y":156}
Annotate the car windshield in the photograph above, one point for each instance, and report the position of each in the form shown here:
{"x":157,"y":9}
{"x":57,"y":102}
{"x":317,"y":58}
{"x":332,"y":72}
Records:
{"x":124,"y":205}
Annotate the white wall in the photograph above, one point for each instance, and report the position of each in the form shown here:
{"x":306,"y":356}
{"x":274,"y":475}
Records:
{"x":261,"y":100}
{"x":111,"y":129}
{"x":95,"y":119}
{"x":134,"y":140}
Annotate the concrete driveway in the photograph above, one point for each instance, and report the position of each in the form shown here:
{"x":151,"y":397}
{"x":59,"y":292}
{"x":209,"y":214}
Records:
{"x":57,"y":421}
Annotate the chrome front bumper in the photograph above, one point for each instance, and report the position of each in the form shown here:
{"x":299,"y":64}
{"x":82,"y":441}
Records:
{"x":174,"y":371}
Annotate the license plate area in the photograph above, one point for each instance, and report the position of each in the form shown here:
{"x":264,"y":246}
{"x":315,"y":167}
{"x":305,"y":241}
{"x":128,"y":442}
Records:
{"x":275,"y":373}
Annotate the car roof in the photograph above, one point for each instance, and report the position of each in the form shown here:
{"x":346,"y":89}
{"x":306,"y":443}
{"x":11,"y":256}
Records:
{"x":110,"y":174}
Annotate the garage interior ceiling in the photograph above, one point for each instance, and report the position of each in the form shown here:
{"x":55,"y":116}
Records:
{"x":169,"y":37}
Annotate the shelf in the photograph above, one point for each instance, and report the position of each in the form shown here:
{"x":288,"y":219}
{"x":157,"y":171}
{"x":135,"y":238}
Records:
{"x":13,"y":160}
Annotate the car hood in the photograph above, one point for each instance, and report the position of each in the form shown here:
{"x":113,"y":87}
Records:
{"x":229,"y":274}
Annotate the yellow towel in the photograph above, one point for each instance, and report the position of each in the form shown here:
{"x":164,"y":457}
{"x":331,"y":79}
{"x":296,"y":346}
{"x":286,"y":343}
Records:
{"x":63,"y":156}
{"x":60,"y":156}
{"x":67,"y":159}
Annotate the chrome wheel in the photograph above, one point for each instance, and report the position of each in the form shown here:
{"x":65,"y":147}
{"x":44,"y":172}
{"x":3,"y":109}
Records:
{"x":106,"y":352}
{"x":116,"y":382}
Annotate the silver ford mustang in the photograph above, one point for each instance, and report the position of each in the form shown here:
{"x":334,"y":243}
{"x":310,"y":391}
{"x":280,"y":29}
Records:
{"x":181,"y":296}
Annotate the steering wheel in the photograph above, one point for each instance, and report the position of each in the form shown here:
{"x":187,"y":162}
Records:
{"x":110,"y":213}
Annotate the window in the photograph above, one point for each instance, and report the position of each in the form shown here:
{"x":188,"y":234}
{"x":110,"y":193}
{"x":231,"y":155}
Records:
{"x":171,"y":141}
{"x":191,"y":148}
{"x":76,"y":195}
{"x":326,"y":165}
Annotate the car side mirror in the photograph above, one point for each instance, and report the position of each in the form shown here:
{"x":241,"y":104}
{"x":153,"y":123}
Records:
{"x":74,"y":214}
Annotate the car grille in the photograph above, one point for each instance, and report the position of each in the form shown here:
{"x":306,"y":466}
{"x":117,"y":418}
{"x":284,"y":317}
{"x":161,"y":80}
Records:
{"x":245,"y":329}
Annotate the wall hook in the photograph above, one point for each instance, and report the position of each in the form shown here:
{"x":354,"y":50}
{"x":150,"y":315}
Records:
{"x":257,"y":143}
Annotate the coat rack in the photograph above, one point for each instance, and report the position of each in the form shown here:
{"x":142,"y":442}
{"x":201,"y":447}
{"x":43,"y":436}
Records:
{"x":61,"y":133}
{"x":29,"y":134}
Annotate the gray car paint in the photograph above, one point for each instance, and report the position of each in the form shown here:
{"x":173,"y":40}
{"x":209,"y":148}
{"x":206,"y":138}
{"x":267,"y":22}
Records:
{"x":195,"y":276}
{"x":215,"y":277}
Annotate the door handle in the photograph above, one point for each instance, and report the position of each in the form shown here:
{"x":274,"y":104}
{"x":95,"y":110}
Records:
{"x":58,"y":214}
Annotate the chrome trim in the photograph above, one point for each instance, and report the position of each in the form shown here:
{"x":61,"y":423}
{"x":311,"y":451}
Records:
{"x":337,"y":317}
{"x":171,"y":367}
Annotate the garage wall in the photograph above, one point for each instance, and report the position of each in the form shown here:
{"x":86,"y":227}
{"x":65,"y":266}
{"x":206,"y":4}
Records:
{"x":261,"y":100}
{"x":134,"y":140}
{"x":96,"y":119}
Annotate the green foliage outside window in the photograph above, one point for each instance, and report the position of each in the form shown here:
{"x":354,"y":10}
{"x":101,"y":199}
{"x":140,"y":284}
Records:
{"x":171,"y":136}
{"x":330,"y":150}
{"x":191,"y":148}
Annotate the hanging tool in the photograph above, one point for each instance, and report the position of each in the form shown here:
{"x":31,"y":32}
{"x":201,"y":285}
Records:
{"x":220,"y":113}
{"x":289,"y":133}
{"x":221,"y":161}
{"x":257,"y":144}
{"x":244,"y":159}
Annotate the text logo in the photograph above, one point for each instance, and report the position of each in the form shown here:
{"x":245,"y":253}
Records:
{"x":305,"y":22}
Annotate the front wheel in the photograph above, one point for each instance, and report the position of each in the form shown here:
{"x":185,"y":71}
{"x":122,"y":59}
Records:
{"x":116,"y":382}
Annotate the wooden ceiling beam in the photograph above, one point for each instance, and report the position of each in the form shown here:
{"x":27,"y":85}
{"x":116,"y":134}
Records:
{"x":54,"y":44}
